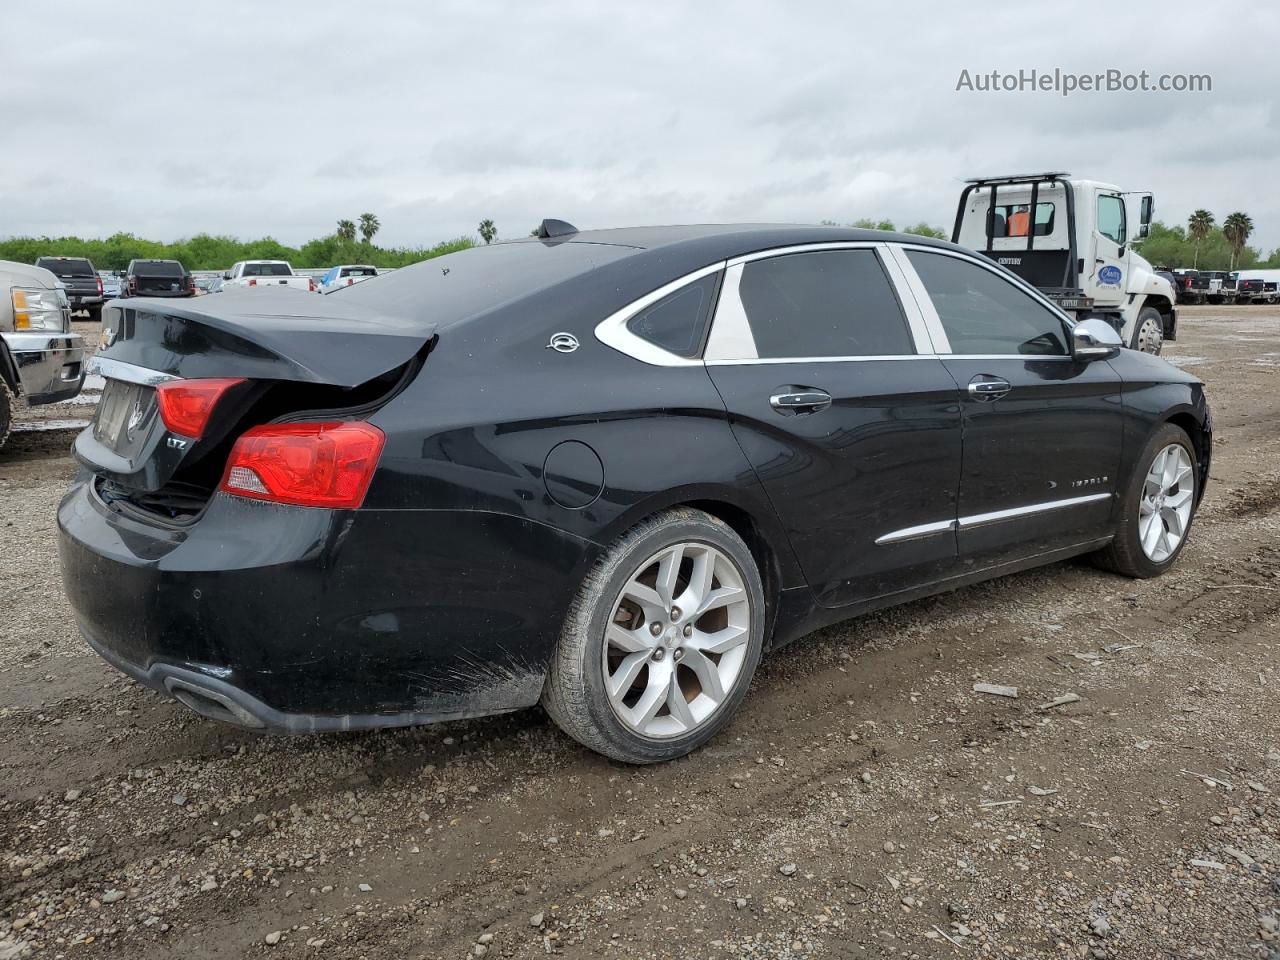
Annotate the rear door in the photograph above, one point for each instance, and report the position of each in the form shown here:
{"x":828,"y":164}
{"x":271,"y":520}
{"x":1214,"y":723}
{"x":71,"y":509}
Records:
{"x":1042,"y":431}
{"x":850,"y":424}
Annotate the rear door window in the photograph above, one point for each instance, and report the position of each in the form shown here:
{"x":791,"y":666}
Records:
{"x":676,"y":323}
{"x":827,"y":303}
{"x":983,"y":313}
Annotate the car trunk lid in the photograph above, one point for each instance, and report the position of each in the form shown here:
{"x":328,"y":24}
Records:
{"x":290,"y":350}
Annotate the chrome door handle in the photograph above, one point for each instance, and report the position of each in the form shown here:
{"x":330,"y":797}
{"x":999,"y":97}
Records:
{"x":987,"y":388}
{"x":801,"y":402}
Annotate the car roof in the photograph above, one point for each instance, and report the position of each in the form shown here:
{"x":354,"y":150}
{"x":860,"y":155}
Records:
{"x":724,"y":240}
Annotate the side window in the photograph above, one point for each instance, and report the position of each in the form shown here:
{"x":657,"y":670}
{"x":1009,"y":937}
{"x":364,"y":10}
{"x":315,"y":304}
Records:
{"x":983,"y":313}
{"x":1111,"y":217}
{"x":829,"y":303}
{"x":677,"y":321}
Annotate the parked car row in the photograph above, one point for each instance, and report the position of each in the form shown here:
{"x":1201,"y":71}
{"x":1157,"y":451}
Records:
{"x":87,"y":288}
{"x":1220,"y":286}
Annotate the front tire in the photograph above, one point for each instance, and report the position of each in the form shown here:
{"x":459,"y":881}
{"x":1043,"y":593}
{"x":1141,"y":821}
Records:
{"x":661,"y":641}
{"x":8,"y":403}
{"x":1148,"y":335}
{"x":1157,"y":507}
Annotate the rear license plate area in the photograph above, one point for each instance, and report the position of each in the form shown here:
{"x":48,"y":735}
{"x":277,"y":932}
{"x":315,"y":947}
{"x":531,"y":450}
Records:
{"x":124,"y":415}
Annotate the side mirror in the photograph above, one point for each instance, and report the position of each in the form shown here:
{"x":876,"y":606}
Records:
{"x":1146,"y":210}
{"x":1094,"y":339}
{"x":226,"y":275}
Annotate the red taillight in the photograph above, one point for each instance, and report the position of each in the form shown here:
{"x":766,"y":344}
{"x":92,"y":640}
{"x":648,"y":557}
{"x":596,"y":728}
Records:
{"x":311,"y":284}
{"x":133,"y":284}
{"x":99,"y":279}
{"x":350,"y":281}
{"x":253,"y":281}
{"x":185,"y":405}
{"x":307,"y":464}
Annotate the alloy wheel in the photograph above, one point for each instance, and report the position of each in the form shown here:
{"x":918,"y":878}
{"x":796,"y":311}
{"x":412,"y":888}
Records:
{"x":676,"y":640}
{"x":1164,"y":511}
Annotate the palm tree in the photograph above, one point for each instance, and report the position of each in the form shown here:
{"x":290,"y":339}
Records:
{"x":488,"y":231}
{"x":1199,"y":226}
{"x":1236,"y":228}
{"x":346,"y":230}
{"x":368,"y":226}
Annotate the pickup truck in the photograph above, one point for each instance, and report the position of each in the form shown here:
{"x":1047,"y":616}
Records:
{"x":81,"y":281}
{"x":157,"y":278}
{"x":266,"y":273}
{"x":41,"y":357}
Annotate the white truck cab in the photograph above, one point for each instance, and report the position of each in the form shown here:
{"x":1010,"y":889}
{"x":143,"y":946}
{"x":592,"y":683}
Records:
{"x":1073,"y":239}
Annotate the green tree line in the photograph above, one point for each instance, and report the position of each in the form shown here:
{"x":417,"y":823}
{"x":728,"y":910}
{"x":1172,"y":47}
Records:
{"x":206,"y":252}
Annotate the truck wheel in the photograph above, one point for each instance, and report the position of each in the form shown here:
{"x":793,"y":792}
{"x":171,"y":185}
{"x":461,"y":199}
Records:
{"x":1149,"y":335}
{"x":7,"y":406}
{"x":661,"y":641}
{"x":95,"y":314}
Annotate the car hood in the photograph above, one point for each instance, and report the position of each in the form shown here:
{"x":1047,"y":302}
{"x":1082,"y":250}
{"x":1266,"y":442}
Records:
{"x":13,"y":274}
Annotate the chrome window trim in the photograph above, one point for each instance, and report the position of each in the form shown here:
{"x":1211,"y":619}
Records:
{"x":128,"y":372}
{"x":920,"y":297}
{"x":731,"y":341}
{"x":612,"y":330}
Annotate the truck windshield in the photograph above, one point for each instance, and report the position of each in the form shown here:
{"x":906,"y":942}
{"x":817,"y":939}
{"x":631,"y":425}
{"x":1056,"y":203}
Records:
{"x":267,"y":270}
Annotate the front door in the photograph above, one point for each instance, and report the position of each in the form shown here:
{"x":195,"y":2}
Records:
{"x":1107,"y":281}
{"x":854,"y":435}
{"x":1042,"y":431}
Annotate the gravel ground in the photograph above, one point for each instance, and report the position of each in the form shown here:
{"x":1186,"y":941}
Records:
{"x":865,"y":803}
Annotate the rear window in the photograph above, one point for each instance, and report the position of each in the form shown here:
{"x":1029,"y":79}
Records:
{"x":835,"y":303}
{"x":359,"y":272}
{"x":70,"y":267}
{"x":267,"y":270}
{"x":157,"y":268}
{"x":471,"y":282}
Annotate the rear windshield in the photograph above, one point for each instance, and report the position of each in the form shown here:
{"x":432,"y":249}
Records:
{"x":157,"y":268}
{"x":358,"y":272}
{"x":471,"y":282}
{"x":267,"y":270}
{"x":71,"y":267}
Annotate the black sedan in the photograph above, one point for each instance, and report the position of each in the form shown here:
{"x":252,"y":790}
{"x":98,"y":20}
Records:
{"x":605,"y":471}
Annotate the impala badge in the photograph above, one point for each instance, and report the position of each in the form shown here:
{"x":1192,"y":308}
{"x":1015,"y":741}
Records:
{"x":563,"y":343}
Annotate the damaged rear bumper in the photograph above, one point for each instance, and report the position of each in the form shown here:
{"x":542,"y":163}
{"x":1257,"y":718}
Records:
{"x":292,"y":619}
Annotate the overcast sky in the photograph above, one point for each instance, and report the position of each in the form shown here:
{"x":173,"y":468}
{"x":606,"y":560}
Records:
{"x":278,"y":118}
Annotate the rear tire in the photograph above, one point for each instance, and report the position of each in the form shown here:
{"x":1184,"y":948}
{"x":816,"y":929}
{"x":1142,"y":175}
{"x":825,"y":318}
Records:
{"x":1148,"y":334}
{"x":634,"y":677}
{"x":95,"y":314}
{"x":1127,"y":553}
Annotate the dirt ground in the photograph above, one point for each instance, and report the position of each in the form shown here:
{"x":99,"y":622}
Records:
{"x":864,"y":803}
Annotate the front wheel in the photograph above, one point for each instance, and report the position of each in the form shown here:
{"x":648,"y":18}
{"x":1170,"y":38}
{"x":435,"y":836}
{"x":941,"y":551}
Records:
{"x":1157,"y":507}
{"x":661,"y":640}
{"x":8,"y":404}
{"x":1149,"y":334}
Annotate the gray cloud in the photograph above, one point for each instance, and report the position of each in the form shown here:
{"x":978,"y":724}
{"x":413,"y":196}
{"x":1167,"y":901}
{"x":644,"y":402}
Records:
{"x":249,"y":118}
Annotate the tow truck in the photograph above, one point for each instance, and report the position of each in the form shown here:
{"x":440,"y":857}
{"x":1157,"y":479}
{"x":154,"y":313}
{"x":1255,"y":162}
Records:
{"x":1071,"y":238}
